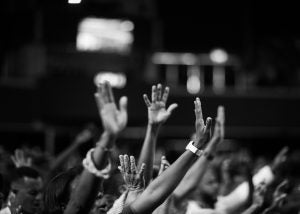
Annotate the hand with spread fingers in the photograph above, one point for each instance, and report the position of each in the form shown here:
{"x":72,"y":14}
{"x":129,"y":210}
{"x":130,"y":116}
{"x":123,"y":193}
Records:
{"x":278,"y":197}
{"x":157,"y":112}
{"x":19,"y":159}
{"x":164,"y":164}
{"x":134,"y":179}
{"x":203,"y":131}
{"x":114,"y":120}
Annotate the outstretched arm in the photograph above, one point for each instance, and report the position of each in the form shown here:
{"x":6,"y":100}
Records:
{"x":195,"y":173}
{"x":160,"y":188}
{"x":157,"y":115}
{"x":114,"y":121}
{"x":81,"y":138}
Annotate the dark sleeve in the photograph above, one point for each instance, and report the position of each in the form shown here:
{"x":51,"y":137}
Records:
{"x":127,"y":210}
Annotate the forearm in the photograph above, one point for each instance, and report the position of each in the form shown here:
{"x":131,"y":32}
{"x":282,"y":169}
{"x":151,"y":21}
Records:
{"x":254,"y":208}
{"x":87,"y":188}
{"x":194,"y":174}
{"x":62,"y":157}
{"x":148,"y":151}
{"x":160,"y":188}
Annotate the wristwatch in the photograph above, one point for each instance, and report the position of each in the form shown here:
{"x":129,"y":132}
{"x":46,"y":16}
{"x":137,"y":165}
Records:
{"x":194,"y":149}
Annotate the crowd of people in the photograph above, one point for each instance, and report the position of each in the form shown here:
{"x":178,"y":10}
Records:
{"x":200,"y":180}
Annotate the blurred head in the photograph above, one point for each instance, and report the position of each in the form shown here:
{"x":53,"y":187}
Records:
{"x":26,"y":190}
{"x":209,"y":185}
{"x":103,"y":203}
{"x":58,"y":190}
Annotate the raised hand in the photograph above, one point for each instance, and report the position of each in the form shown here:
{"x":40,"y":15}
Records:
{"x":113,"y":119}
{"x":157,"y":112}
{"x":203,"y":131}
{"x":134,"y":179}
{"x":279,"y":194}
{"x":19,"y":159}
{"x":84,"y":135}
{"x":164,"y":164}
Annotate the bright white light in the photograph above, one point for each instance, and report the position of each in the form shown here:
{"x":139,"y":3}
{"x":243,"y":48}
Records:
{"x":189,"y":59}
{"x":127,"y":26}
{"x":74,"y":1}
{"x":218,"y":56}
{"x":116,"y":80}
{"x":108,"y":35}
{"x":167,"y":58}
{"x":193,"y":84}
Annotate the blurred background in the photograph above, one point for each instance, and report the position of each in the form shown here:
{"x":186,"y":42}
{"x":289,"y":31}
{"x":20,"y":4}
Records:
{"x":241,"y":54}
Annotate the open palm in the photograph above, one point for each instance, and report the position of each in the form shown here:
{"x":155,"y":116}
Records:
{"x":114,"y":120}
{"x":157,"y":112}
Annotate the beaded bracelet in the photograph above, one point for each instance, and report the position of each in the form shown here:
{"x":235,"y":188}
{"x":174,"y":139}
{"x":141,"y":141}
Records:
{"x":89,"y":165}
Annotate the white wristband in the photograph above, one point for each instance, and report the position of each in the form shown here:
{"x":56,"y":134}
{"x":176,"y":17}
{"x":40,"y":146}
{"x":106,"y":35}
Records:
{"x":194,"y":149}
{"x":89,"y":165}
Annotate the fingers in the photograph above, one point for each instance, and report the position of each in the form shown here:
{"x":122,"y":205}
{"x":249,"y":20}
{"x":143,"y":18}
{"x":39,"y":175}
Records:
{"x":280,"y":188}
{"x":126,"y":164}
{"x":283,"y":152}
{"x":147,"y":101}
{"x":208,"y":128}
{"x":122,"y":164}
{"x":142,"y":169}
{"x":98,"y":100}
{"x":165,"y":95}
{"x":172,"y":107}
{"x":280,"y":199}
{"x":198,"y":111}
{"x":133,"y":165}
{"x":104,"y":94}
{"x":158,"y":91}
{"x":154,"y":94}
{"x":108,"y":92}
{"x":123,"y":104}
{"x":14,"y":160}
{"x":221,"y":119}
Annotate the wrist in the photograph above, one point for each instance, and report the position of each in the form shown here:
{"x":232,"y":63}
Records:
{"x":154,"y":127}
{"x":110,"y":139}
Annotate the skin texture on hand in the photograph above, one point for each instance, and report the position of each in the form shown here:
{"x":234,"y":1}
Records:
{"x":157,"y":112}
{"x":134,"y":179}
{"x":114,"y":120}
{"x":203,"y":131}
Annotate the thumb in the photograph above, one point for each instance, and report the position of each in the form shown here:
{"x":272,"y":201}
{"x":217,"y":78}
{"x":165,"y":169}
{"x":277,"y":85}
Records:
{"x":172,"y":107}
{"x":123,"y":104}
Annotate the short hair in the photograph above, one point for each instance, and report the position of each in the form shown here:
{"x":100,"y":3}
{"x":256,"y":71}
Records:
{"x":57,"y":192}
